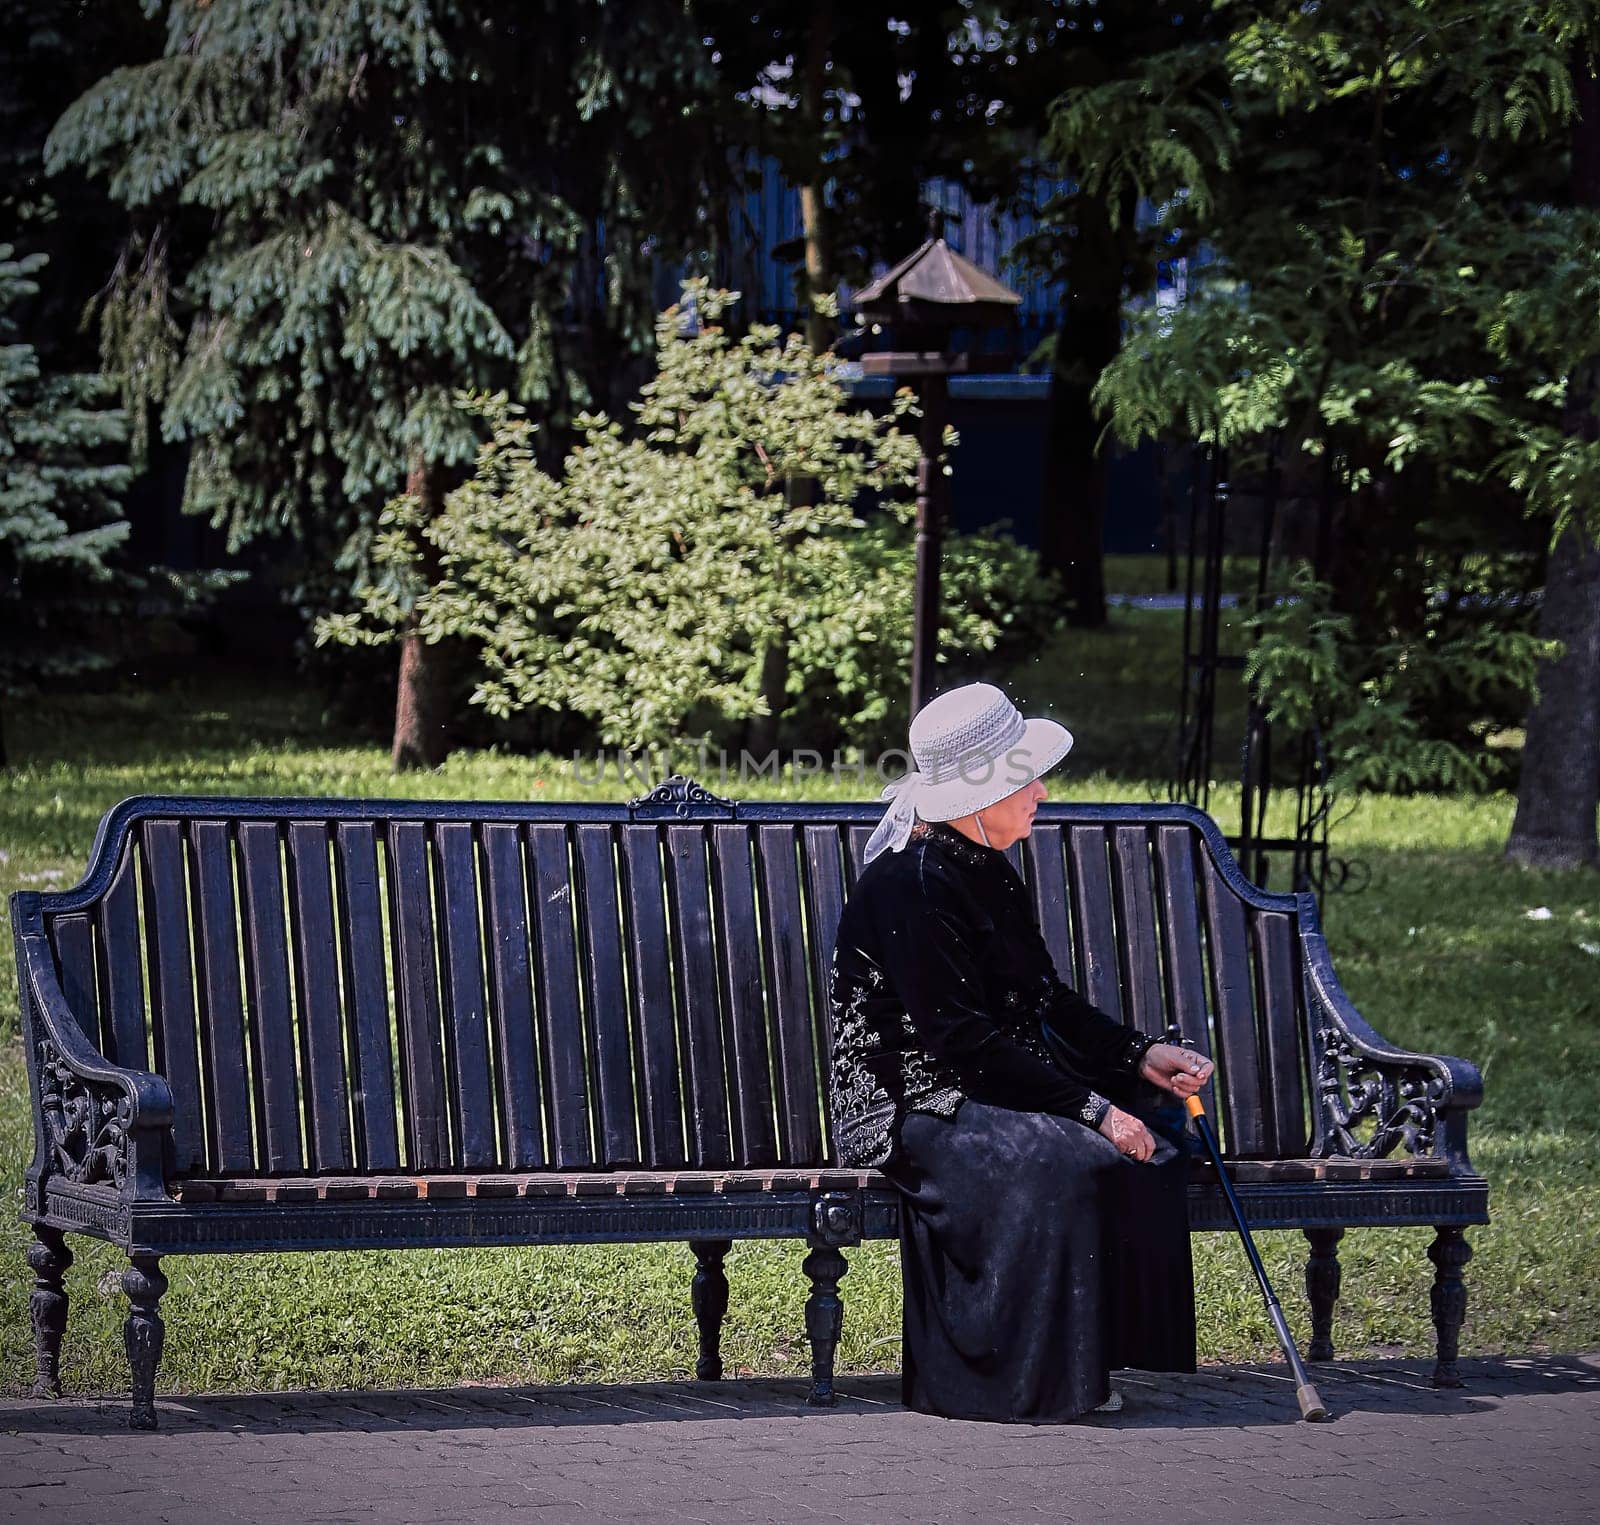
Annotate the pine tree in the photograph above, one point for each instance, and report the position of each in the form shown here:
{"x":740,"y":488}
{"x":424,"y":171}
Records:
{"x":60,"y":473}
{"x":341,"y":214}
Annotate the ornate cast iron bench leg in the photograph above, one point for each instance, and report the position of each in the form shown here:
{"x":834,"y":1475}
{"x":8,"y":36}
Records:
{"x":144,"y":1333}
{"x":824,"y":1317}
{"x":1322,"y":1289}
{"x":49,"y":1259}
{"x":709,"y":1295}
{"x":1449,"y":1253}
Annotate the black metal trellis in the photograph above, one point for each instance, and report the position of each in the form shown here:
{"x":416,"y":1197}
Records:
{"x":1215,"y":493}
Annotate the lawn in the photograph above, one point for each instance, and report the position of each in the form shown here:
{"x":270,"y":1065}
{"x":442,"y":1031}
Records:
{"x":1438,"y":950}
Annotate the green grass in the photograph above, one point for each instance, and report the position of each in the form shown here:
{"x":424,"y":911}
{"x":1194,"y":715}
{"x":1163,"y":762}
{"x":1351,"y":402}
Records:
{"x":1149,"y":574}
{"x":1437,"y":950}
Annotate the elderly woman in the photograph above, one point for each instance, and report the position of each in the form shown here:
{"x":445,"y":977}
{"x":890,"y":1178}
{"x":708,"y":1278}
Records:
{"x":1044,"y":1238}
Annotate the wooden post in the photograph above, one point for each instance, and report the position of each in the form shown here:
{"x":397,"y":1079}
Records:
{"x":929,"y":539}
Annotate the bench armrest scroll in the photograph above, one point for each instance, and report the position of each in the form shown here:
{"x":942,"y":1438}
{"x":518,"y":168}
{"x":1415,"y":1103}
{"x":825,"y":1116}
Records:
{"x":1370,"y":1095}
{"x":101,"y":1124}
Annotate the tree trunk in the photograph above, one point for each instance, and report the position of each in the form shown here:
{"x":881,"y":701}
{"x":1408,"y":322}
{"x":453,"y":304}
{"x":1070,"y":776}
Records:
{"x":1073,"y":521}
{"x":813,"y":209}
{"x":1560,"y":786}
{"x":422,"y":698}
{"x":1072,"y":528}
{"x":762,"y":731}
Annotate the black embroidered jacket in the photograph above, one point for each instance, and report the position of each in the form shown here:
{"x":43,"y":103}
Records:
{"x":940,"y":980}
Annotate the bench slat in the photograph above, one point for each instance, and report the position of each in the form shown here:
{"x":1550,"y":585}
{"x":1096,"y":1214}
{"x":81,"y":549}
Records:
{"x":1276,"y":987}
{"x":121,"y":971}
{"x":754,"y":1137}
{"x":600,"y":935}
{"x":1237,"y":1057}
{"x":1093,"y":931}
{"x":560,"y":1014}
{"x":466,"y":1017}
{"x":266,"y":957}
{"x":221,"y":996}
{"x":1182,"y":957}
{"x":856,"y":838}
{"x":652,"y":999}
{"x":1047,"y":888}
{"x":367,"y":994}
{"x":511,"y":997}
{"x":1136,"y":939}
{"x":172,"y":998}
{"x":315,"y":949}
{"x":417,"y":980}
{"x":799,"y":1115}
{"x":72,"y":942}
{"x":825,"y":905}
{"x":694,"y":959}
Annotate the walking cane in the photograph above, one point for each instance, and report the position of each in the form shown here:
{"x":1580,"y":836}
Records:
{"x":1311,"y":1405}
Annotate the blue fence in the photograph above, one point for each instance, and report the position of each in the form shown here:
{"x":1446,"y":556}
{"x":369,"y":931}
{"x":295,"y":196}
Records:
{"x":768,"y":217}
{"x":997,"y":469}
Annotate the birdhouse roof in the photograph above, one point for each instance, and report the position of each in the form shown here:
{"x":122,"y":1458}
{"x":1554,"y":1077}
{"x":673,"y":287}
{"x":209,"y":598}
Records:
{"x":936,"y":274}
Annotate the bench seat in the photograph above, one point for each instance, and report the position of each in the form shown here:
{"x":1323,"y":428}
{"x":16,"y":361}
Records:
{"x":704,"y":1182}
{"x":682,"y":1183}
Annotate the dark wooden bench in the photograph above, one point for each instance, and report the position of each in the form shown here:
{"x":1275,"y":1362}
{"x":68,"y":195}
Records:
{"x":285,"y":1024}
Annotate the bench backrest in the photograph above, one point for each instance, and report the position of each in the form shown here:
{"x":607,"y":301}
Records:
{"x":401,"y":985}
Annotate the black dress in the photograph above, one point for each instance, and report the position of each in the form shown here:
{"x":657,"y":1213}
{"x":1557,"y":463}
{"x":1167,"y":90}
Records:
{"x":1035,"y":1257}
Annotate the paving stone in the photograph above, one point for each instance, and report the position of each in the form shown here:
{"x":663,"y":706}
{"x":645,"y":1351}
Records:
{"x":1522,"y":1442}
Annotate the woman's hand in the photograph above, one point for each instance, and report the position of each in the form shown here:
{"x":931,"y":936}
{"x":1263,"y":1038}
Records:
{"x":1130,"y":1135}
{"x":1175,"y":1069}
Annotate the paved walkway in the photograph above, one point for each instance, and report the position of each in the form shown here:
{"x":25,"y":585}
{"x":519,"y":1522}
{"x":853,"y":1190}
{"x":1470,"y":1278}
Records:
{"x":1520,"y":1443}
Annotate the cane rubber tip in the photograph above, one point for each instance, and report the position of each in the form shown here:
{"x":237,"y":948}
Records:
{"x":1312,"y":1408}
{"x":1194,"y":1106}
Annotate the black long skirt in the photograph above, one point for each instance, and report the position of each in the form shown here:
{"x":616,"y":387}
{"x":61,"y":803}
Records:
{"x":1036,"y":1259}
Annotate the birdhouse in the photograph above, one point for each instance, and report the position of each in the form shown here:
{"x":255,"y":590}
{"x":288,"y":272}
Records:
{"x":924,"y":301}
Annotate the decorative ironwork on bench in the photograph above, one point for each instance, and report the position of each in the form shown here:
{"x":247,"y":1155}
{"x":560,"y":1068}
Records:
{"x":87,"y":1125}
{"x":1398,"y":1101}
{"x":677,"y":795}
{"x":836,"y":1218}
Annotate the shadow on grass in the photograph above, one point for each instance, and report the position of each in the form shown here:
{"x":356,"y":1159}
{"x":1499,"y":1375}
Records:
{"x":1247,"y":1397}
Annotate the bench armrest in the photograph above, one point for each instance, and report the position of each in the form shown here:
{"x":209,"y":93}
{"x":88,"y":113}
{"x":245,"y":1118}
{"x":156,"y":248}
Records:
{"x":1418,"y":1101}
{"x":98,"y":1123}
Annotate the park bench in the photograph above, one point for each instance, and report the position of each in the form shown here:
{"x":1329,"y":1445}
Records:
{"x":297,"y":1024}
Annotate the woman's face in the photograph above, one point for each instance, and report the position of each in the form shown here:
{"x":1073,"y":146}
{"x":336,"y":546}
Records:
{"x":1011,"y":819}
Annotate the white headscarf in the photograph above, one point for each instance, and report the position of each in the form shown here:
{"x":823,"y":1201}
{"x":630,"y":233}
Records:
{"x":894,"y":830}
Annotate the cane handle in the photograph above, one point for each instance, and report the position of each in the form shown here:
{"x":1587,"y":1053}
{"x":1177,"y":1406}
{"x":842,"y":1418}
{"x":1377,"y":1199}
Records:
{"x":1194,"y":1107}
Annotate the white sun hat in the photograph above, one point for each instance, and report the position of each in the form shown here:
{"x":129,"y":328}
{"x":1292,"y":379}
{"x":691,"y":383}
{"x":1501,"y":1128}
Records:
{"x":972,"y":748}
